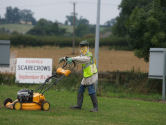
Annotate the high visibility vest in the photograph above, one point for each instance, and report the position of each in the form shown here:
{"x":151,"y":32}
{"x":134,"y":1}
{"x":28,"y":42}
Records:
{"x":89,"y":68}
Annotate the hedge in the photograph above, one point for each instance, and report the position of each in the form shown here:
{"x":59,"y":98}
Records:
{"x":129,"y":81}
{"x":30,"y":40}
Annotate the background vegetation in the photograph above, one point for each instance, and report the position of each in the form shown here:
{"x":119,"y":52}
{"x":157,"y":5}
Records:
{"x":143,"y":22}
{"x":32,"y":40}
{"x":15,"y":15}
{"x":111,"y":84}
{"x":139,"y":26}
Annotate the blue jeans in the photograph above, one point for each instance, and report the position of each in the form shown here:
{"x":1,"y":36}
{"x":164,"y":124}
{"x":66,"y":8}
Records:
{"x":91,"y":89}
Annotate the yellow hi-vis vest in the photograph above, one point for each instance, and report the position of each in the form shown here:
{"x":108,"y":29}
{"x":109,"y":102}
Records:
{"x":89,"y":68}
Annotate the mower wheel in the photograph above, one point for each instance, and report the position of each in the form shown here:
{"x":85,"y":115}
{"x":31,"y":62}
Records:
{"x":17,"y":105}
{"x":45,"y":106}
{"x":6,"y":101}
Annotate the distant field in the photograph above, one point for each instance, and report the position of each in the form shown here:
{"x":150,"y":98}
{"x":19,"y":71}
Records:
{"x":21,"y":28}
{"x":109,"y":60}
{"x":68,"y":28}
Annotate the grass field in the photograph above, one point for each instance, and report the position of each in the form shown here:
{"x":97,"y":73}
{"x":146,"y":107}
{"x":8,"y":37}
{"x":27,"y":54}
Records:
{"x":109,"y":60}
{"x":68,"y":28}
{"x":20,"y":28}
{"x":23,"y":28}
{"x":112,"y":111}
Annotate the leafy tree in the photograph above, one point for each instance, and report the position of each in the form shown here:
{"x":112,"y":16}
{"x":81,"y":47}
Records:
{"x":146,"y":29}
{"x":83,"y":21}
{"x":69,"y":19}
{"x":110,"y":23}
{"x":27,"y":16}
{"x":143,"y":21}
{"x":127,"y":6}
{"x":46,"y":27}
{"x":15,"y":15}
{"x":12,"y":15}
{"x":83,"y":27}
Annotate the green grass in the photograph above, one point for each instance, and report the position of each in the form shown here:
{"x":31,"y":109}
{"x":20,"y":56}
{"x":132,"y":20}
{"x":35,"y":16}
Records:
{"x":23,"y":28}
{"x":112,"y":111}
{"x":20,"y":28}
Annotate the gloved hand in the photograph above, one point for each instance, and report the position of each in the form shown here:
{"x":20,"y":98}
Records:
{"x":69,"y":60}
{"x":61,"y":59}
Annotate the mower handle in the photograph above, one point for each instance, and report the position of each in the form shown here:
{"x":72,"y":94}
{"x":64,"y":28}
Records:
{"x":56,"y":77}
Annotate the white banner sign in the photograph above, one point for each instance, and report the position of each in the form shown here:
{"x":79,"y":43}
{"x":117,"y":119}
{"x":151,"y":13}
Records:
{"x":33,"y":70}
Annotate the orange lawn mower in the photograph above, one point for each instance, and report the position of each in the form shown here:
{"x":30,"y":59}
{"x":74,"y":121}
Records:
{"x":35,"y":100}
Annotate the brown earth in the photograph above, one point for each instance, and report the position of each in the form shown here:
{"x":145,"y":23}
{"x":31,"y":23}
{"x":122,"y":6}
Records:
{"x":109,"y":60}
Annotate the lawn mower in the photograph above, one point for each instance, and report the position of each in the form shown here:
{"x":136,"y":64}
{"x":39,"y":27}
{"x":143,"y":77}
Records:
{"x":34,"y":99}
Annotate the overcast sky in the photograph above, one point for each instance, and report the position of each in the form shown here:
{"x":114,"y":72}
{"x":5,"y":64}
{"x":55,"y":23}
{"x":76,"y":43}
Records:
{"x":58,"y":9}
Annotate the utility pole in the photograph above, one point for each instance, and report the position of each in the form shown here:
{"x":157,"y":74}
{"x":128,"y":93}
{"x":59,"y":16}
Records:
{"x":74,"y":4}
{"x":97,"y":37}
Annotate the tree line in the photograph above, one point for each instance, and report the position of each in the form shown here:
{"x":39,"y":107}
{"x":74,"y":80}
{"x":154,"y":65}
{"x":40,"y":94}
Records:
{"x":143,"y":23}
{"x":50,"y":28}
{"x":15,"y":15}
{"x":43,"y":26}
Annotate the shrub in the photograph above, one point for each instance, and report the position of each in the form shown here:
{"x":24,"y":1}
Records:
{"x":128,"y":81}
{"x":31,"y":40}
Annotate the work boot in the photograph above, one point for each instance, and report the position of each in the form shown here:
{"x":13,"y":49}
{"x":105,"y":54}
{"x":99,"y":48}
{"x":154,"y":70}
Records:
{"x":95,"y":104}
{"x":79,"y":101}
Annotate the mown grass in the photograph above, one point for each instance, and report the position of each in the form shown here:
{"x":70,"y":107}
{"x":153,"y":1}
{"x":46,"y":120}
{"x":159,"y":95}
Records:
{"x":112,"y":111}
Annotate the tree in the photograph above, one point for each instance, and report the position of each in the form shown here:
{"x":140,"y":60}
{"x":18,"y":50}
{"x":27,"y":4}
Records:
{"x":146,"y":29}
{"x":46,"y":27}
{"x":83,"y":21}
{"x":110,"y":23}
{"x":83,"y":27}
{"x":143,"y":21}
{"x":15,"y":15}
{"x":69,"y":19}
{"x":27,"y":16}
{"x":126,"y":8}
{"x":12,"y":15}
